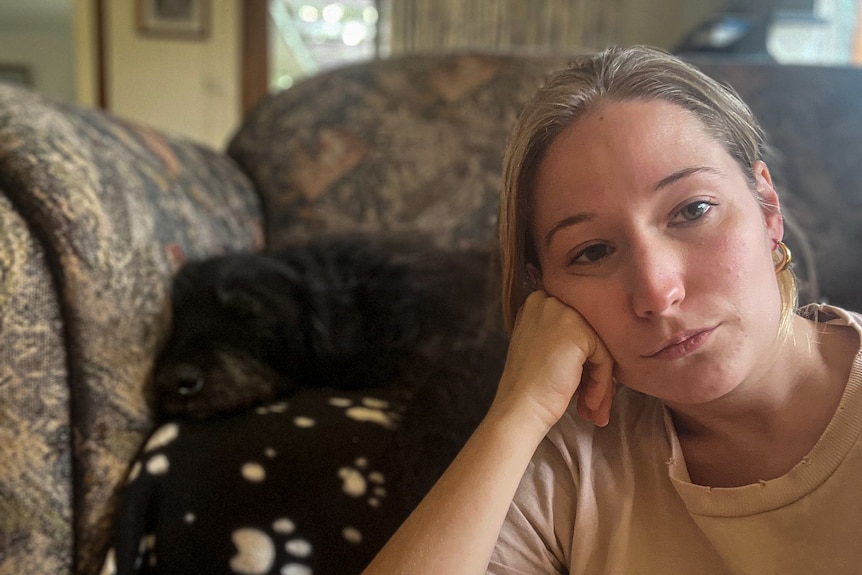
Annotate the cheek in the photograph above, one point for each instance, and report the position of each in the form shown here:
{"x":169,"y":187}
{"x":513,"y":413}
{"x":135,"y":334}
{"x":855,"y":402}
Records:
{"x":728,"y":274}
{"x":742,"y":272}
{"x":725,"y":263}
{"x":603,"y":302}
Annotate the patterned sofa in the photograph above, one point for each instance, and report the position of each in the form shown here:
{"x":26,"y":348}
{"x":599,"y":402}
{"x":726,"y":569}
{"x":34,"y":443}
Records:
{"x":97,"y":213}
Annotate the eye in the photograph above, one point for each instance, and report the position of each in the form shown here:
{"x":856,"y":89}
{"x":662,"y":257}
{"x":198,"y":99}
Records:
{"x":695,"y":210}
{"x":591,"y":254}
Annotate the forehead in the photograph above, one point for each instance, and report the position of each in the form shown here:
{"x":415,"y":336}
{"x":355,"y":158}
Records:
{"x":624,"y":147}
{"x":646,"y":134}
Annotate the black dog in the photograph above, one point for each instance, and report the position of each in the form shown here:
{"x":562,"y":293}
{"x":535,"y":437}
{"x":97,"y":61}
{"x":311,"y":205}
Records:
{"x":348,"y":312}
{"x":386,"y":325}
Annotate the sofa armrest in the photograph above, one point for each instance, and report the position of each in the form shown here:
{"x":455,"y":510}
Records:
{"x":115,"y":209}
{"x":35,"y":447}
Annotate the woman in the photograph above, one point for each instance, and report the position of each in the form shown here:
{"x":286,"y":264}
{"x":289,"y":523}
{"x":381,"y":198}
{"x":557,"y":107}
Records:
{"x":715,"y":428}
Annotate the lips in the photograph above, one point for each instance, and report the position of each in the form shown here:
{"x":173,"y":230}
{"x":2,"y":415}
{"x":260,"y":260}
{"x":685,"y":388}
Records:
{"x":683,"y":344}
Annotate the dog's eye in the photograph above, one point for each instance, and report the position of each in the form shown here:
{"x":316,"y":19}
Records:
{"x":189,"y":380}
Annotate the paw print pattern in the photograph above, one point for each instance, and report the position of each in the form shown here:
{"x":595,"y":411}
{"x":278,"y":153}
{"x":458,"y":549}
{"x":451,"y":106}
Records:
{"x":359,"y":481}
{"x":282,"y":407}
{"x":280,"y":443}
{"x":279,"y":407}
{"x":152,"y":461}
{"x":370,"y":409}
{"x":297,"y":547}
{"x":257,"y":553}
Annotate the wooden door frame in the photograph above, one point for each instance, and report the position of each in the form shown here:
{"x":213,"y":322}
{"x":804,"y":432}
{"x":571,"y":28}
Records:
{"x":99,"y":14}
{"x":254,"y":74}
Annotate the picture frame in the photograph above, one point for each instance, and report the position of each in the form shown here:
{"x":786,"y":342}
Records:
{"x":16,"y":74}
{"x":174,"y":19}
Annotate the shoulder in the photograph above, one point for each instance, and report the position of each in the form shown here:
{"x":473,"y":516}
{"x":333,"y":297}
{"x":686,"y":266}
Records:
{"x":825,"y":313}
{"x":838,"y":318}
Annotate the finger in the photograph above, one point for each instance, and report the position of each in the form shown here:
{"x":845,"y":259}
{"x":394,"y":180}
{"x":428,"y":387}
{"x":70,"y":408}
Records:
{"x":599,"y":386}
{"x":603,"y":413}
{"x":596,"y":392}
{"x":584,"y":411}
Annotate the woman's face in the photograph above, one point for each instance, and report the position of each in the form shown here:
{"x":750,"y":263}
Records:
{"x":648,"y":228}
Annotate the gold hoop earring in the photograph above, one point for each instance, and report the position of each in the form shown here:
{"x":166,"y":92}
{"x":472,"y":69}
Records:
{"x":786,"y":258}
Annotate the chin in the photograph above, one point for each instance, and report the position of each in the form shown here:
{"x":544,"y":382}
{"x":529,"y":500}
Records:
{"x":694,"y":384}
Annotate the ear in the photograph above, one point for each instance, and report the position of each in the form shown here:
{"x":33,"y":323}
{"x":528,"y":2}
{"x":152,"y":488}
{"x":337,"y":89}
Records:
{"x":769,"y":203}
{"x":240,"y":299}
{"x":249,"y":285}
{"x":534,"y":277}
{"x":239,"y":285}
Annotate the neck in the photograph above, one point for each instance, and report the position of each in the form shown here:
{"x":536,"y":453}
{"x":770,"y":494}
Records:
{"x":773,"y":419}
{"x":806,"y":370}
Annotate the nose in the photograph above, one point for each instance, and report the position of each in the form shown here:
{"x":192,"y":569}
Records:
{"x":657,"y":284}
{"x":189,"y":379}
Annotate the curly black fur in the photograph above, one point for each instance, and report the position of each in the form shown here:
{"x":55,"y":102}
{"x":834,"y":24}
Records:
{"x":344,"y":312}
{"x":348,"y":312}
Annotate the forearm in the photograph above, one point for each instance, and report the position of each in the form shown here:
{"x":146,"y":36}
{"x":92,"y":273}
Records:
{"x":454,"y":529}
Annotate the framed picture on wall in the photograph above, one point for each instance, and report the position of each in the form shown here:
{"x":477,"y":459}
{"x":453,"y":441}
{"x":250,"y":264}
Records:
{"x":179,"y":19}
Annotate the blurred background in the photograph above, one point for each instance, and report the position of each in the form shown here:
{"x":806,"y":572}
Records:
{"x":195,"y":67}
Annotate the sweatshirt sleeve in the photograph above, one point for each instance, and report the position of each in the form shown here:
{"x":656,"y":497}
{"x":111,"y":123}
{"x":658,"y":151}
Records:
{"x":537,"y":532}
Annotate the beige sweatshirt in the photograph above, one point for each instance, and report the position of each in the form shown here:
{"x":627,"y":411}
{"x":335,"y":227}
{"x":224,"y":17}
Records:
{"x":618,"y":500}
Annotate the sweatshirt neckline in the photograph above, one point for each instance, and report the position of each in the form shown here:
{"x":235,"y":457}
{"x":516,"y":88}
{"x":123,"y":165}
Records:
{"x":834,"y":444}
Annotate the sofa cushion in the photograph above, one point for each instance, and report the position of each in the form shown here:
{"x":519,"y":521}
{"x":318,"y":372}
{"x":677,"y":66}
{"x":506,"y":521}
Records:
{"x":416,"y":142}
{"x":115,"y":207}
{"x":812,"y":116}
{"x":36,"y":497}
{"x":411,"y":143}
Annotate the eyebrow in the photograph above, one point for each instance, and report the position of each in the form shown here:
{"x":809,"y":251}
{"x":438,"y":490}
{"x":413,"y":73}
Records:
{"x":581,"y":217}
{"x":684,"y":173}
{"x":567,"y":222}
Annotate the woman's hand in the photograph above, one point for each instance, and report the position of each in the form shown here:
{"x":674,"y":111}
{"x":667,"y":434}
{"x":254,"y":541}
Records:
{"x":553,"y":354}
{"x":455,"y":527}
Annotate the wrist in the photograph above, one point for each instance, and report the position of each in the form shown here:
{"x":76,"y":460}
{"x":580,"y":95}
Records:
{"x":525,"y":426}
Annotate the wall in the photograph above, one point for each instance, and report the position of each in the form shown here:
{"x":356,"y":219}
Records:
{"x":193,"y":88}
{"x":185,"y":87}
{"x":42,"y":43}
{"x":86,"y":70}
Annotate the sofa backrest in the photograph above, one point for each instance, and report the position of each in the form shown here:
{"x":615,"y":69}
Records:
{"x":416,"y":143}
{"x":411,"y":143}
{"x":812,"y":116}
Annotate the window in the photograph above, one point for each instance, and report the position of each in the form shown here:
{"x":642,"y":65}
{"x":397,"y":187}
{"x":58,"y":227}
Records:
{"x":822,"y":33}
{"x":310,"y":36}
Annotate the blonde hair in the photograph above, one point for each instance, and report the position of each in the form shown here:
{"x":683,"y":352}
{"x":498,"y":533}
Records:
{"x":620,"y":74}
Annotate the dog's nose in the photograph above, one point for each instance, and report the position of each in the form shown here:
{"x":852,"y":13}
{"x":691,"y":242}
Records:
{"x":190,"y":379}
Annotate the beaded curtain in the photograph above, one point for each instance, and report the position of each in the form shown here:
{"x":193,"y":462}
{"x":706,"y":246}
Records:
{"x":522,"y":25}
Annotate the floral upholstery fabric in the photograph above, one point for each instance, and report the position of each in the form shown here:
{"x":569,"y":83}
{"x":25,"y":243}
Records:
{"x":35,"y":431}
{"x":97,"y":213}
{"x":414,"y":143}
{"x":104,"y":212}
